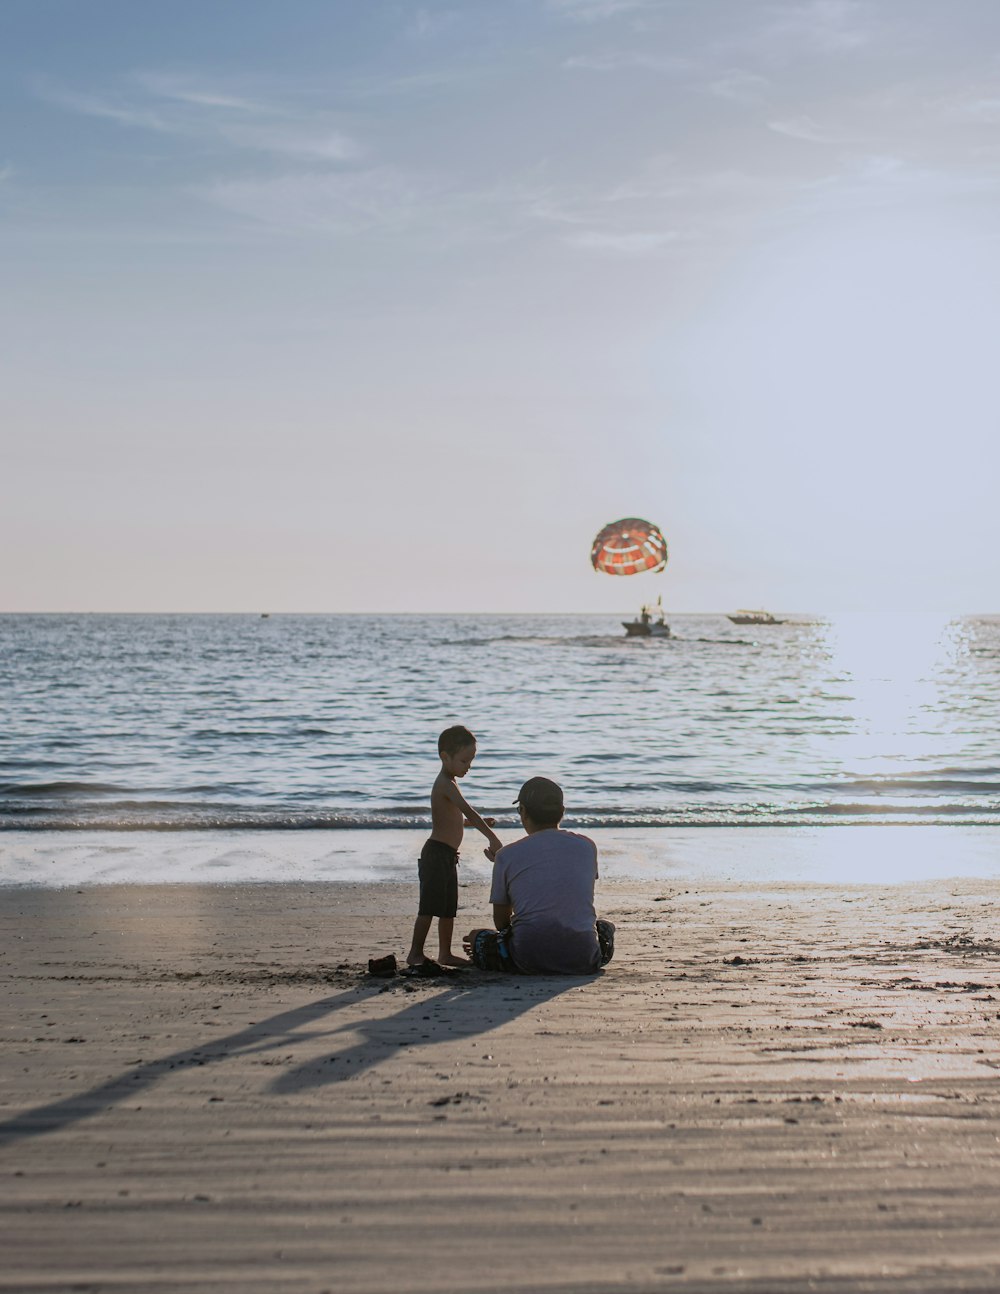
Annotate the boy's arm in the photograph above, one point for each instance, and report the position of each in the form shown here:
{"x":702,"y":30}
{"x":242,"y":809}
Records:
{"x":502,"y":913}
{"x":455,"y":795}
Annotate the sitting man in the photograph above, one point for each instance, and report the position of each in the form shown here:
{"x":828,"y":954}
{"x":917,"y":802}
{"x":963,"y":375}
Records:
{"x":543,"y":897}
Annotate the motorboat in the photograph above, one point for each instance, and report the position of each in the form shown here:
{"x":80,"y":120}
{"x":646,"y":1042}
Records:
{"x":744,"y":617}
{"x":645,"y":626}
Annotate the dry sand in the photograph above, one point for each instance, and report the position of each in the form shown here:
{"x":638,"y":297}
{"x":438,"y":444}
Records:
{"x":774,"y":1090}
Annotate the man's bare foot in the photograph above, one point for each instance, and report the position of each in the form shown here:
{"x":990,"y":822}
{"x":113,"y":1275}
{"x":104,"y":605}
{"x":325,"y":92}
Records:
{"x":449,"y":959}
{"x":415,"y":959}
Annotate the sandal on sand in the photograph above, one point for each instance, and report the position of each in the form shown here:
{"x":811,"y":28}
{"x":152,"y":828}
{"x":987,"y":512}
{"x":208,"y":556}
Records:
{"x":428,"y":969}
{"x":382,"y":967}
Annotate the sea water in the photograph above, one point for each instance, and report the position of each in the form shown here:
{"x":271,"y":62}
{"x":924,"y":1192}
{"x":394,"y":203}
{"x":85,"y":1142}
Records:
{"x":209,"y":722}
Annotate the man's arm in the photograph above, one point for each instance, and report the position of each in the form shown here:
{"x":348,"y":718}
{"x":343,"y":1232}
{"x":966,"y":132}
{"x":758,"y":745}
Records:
{"x":500,"y":896}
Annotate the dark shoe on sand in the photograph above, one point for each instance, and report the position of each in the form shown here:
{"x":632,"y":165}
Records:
{"x":382,"y":967}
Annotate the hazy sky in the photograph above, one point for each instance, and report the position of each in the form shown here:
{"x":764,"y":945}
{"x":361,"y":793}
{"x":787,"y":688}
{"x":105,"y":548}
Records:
{"x":366,"y":305}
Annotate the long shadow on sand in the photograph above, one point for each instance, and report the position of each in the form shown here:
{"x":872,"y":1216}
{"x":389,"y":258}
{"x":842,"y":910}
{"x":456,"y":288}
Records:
{"x":466,"y":1006}
{"x":430,"y":1015}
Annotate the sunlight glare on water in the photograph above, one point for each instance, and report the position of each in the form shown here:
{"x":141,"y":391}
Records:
{"x":890,"y":668}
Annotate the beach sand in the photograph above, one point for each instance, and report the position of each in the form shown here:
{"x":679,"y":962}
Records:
{"x":779,"y":1088}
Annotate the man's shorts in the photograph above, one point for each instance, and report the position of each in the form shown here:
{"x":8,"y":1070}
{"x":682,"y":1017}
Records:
{"x":491,"y":948}
{"x":606,"y":939}
{"x":438,"y":872}
{"x":491,"y":951}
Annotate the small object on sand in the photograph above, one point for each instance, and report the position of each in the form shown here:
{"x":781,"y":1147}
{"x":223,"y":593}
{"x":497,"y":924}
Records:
{"x":428,"y":969}
{"x":382,"y":967}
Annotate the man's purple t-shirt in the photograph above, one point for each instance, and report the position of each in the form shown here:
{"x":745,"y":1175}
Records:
{"x":548,"y":879}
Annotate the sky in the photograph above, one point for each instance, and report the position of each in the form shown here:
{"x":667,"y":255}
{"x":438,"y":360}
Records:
{"x":385,"y":306}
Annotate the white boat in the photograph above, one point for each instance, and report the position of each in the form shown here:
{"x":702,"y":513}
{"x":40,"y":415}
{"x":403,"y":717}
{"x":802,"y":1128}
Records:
{"x":744,"y":617}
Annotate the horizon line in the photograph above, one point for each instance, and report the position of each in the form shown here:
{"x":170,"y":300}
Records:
{"x":803,"y":615}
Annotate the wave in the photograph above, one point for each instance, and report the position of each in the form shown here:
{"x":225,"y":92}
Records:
{"x":930,"y":784}
{"x":594,"y":640}
{"x":62,"y":788}
{"x":173,"y":817}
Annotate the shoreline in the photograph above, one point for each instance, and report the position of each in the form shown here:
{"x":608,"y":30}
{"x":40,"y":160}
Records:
{"x":763,"y":856}
{"x":768,"y":1090}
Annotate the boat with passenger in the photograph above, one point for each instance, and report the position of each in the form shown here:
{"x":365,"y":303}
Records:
{"x":645,"y":626}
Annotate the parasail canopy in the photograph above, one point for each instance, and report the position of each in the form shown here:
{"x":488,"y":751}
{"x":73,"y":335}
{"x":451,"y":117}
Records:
{"x":629,"y":547}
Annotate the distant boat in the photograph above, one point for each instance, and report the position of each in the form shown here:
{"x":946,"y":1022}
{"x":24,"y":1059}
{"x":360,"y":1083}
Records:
{"x":744,"y":617}
{"x":265,"y":615}
{"x":645,"y":626}
{"x":646,"y":629}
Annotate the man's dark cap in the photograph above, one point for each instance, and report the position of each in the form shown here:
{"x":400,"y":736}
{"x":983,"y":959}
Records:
{"x":540,"y":798}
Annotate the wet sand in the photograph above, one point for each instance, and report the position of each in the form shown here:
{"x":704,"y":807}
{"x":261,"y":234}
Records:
{"x":780,"y":1089}
{"x":762,"y":856}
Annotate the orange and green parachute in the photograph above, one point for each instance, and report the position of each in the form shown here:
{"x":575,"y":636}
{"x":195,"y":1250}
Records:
{"x":629,"y":547}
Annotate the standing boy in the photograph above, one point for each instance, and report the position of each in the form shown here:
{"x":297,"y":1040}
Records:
{"x":438,"y":868}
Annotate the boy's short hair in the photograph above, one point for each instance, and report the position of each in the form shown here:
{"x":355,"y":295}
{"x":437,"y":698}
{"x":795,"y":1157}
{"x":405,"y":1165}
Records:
{"x":452,"y":740}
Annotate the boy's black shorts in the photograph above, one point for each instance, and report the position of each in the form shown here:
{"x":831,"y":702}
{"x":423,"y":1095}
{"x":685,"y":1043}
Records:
{"x":438,"y":872}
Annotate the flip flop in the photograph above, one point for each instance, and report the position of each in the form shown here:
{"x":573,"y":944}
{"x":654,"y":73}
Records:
{"x":426,"y":969}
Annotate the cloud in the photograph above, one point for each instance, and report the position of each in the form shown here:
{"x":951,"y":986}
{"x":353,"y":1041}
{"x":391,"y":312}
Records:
{"x":596,"y":10}
{"x":169,"y":86}
{"x":415,"y":83}
{"x":823,"y":26}
{"x":91,"y":105}
{"x":820,"y":26}
{"x":882,"y":181}
{"x":177,"y":106}
{"x":981,"y":108}
{"x":775,"y":34}
{"x":389,"y":200}
{"x":806,"y":129}
{"x":427,"y":23}
{"x":740,"y":86}
{"x":632,"y":243}
{"x":336,"y":203}
{"x":662,"y":203}
{"x":614,"y":62}
{"x":294,"y":140}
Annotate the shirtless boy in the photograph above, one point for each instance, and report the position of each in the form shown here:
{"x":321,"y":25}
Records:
{"x":438,"y":868}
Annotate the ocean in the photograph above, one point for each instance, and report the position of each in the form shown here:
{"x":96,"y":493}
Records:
{"x":225,"y":722}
